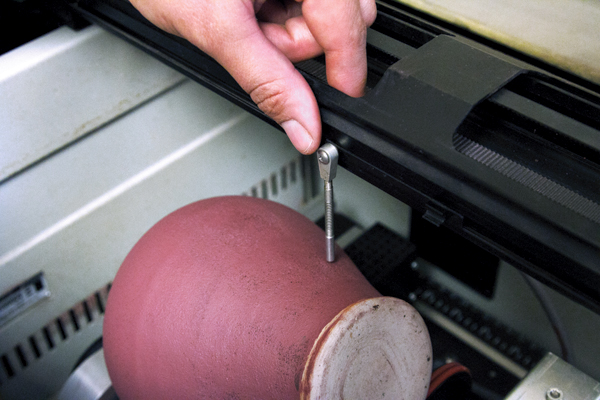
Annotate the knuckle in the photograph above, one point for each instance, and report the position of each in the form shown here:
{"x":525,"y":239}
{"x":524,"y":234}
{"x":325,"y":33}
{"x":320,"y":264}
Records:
{"x":369,"y":12}
{"x":271,"y":98}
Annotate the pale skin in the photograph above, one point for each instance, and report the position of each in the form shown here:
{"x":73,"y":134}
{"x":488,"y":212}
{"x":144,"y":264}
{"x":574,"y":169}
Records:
{"x":257,"y":42}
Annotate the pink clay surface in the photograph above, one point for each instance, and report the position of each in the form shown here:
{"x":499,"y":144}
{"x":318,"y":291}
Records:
{"x":223,"y":299}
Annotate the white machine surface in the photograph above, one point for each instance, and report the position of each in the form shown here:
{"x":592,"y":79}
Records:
{"x":98,"y":142}
{"x":561,"y":33}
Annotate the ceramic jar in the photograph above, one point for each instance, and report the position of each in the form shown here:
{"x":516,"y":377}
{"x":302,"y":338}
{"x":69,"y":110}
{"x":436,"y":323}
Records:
{"x":232,"y":298}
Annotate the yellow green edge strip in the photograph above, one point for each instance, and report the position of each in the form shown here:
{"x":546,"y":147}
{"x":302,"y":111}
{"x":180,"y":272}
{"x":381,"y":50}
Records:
{"x":564,"y":33}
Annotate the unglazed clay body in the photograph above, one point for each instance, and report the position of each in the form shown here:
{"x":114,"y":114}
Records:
{"x":225,"y":299}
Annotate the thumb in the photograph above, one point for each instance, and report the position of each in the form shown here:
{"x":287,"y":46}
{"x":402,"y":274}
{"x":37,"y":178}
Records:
{"x":275,"y":86}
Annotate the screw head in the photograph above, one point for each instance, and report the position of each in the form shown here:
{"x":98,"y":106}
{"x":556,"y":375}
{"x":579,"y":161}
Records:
{"x":323,"y":157}
{"x":554,"y":394}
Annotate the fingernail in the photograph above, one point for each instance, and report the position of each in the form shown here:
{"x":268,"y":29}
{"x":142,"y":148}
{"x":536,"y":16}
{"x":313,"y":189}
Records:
{"x":299,"y":136}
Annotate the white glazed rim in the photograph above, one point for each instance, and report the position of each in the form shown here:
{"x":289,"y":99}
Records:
{"x":376,"y":348}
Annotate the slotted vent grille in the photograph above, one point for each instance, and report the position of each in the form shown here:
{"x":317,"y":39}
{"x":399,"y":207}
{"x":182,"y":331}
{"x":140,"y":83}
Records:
{"x":56,"y":331}
{"x":298,"y":173}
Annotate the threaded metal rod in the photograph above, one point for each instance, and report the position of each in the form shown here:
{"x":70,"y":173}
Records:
{"x":328,"y":159}
{"x":329,"y":235}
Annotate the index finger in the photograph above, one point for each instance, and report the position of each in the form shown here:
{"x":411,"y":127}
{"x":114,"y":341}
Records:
{"x":340,"y":28}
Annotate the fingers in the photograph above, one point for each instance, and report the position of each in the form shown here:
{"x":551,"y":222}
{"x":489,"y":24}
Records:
{"x":274,"y":84}
{"x":228,"y":31}
{"x":283,"y":24}
{"x":258,"y":56}
{"x":336,"y":27}
{"x":292,"y":38}
{"x":340,"y":28}
{"x":278,"y":89}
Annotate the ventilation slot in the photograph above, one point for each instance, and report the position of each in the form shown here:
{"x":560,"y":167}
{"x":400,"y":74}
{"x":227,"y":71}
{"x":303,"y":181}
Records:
{"x":274,"y":186}
{"x":283,"y":178}
{"x":34,"y":347}
{"x":6,"y":364}
{"x":48,"y":338}
{"x":293,"y":172}
{"x":61,"y":329}
{"x":74,"y":320}
{"x":21,"y":356}
{"x":52,"y":334}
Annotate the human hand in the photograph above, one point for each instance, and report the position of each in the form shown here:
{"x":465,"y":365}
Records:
{"x":256,"y":41}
